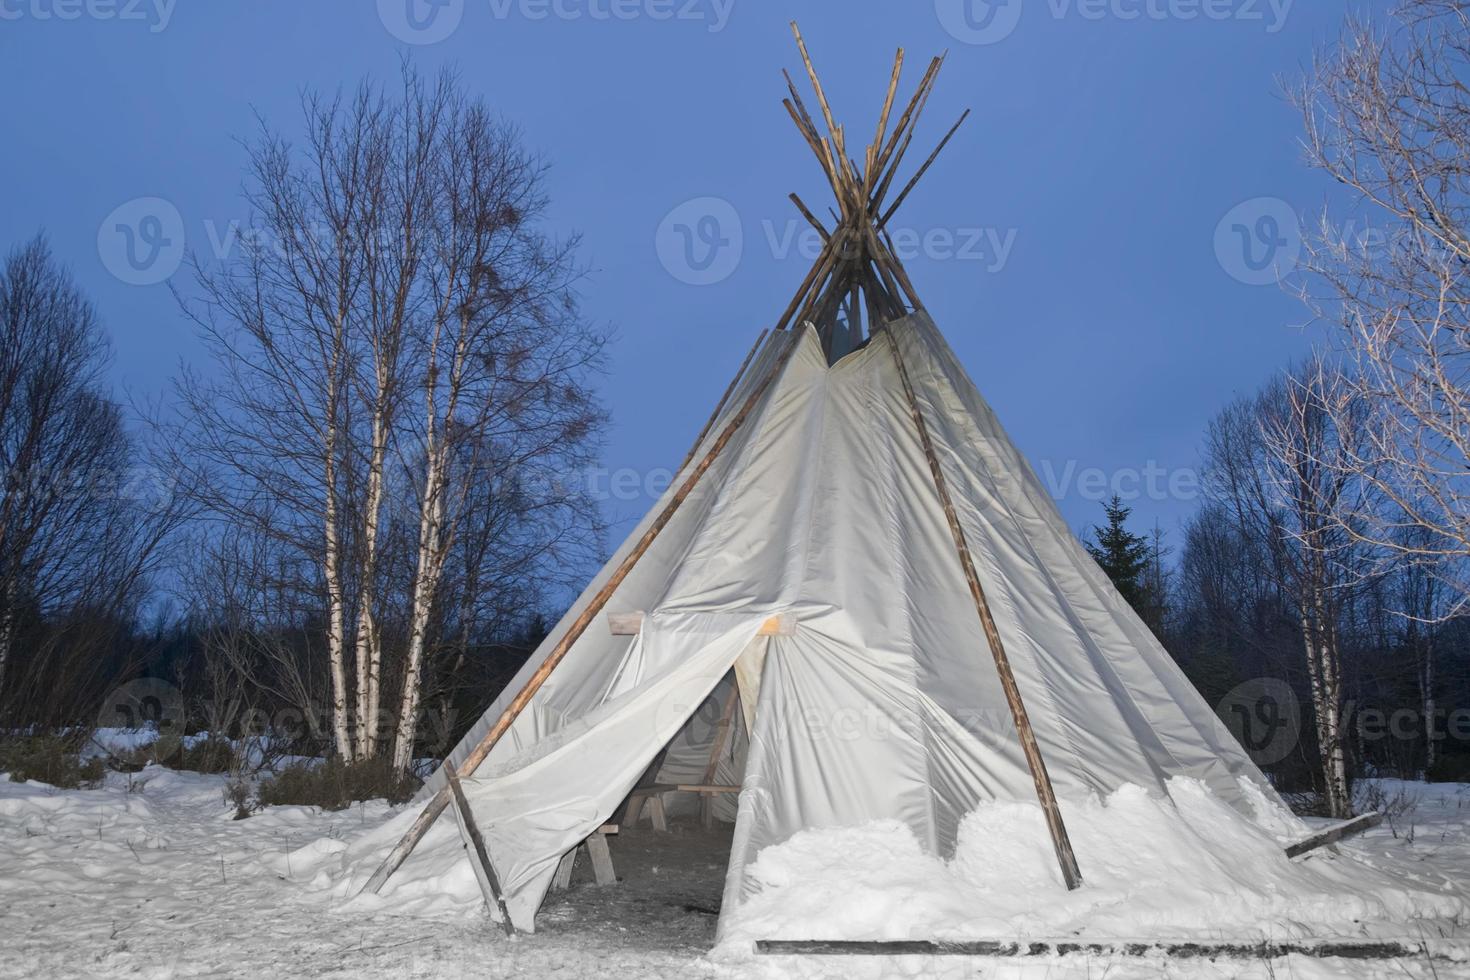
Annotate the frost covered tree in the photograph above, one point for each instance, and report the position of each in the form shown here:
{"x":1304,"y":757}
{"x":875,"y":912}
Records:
{"x":1387,"y":114}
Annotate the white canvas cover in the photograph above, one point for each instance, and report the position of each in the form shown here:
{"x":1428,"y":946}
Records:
{"x":884,"y":701}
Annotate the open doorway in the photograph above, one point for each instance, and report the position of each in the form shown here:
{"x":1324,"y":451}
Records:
{"x":671,"y":845}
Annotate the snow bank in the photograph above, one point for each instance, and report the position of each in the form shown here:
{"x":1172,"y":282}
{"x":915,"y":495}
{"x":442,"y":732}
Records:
{"x":1190,"y":868}
{"x":149,"y":877}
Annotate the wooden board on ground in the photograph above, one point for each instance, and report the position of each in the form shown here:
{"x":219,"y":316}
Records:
{"x":1343,"y":949}
{"x":1344,"y":830}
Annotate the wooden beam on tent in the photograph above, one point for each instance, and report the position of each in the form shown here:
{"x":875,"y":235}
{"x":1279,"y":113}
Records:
{"x":627,"y":811}
{"x":722,"y":736}
{"x":811,"y":73}
{"x":631,"y":624}
{"x":1347,"y":949}
{"x":892,"y":155}
{"x":474,"y":845}
{"x":824,"y":262}
{"x":1339,"y":832}
{"x":589,"y":613}
{"x":923,"y":168}
{"x":814,"y":141}
{"x":1029,"y":747}
{"x":870,"y":177}
{"x":811,"y":218}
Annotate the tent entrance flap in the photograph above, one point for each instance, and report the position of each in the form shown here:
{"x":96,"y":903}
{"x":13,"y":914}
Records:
{"x":539,"y":804}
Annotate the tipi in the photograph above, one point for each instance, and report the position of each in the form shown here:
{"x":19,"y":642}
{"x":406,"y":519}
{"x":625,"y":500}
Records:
{"x":913,"y":628}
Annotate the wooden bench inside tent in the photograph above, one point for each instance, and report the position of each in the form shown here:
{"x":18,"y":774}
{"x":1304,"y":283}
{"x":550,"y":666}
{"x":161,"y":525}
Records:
{"x":597,"y":851}
{"x":651,"y":794}
{"x":653,"y":798}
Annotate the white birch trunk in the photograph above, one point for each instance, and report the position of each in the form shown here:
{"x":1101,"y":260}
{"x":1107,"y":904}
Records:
{"x":1427,"y":705}
{"x":1327,"y":699}
{"x":426,"y":582}
{"x":7,"y":632}
{"x":336,"y":639}
{"x":368,"y":648}
{"x":1314,"y":674}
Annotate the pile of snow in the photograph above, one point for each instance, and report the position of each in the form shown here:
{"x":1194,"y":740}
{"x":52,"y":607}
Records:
{"x":1156,"y":869}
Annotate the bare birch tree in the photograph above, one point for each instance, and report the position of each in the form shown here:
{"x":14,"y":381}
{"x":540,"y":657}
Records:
{"x":267,"y":434}
{"x":1275,"y":461}
{"x":399,"y":335}
{"x":1387,"y":115}
{"x":503,"y":356}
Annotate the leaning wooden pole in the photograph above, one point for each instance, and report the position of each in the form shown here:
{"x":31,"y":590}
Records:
{"x":585,"y":618}
{"x":1060,"y":841}
{"x":479,"y":854}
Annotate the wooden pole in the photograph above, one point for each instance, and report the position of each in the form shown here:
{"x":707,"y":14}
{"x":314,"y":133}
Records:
{"x":811,"y":218}
{"x":903,"y":131}
{"x":440,"y":800}
{"x":1063,"y":845}
{"x":475,"y":845}
{"x":722,"y":735}
{"x":870,"y":175}
{"x":1344,"y":830}
{"x":923,"y":169}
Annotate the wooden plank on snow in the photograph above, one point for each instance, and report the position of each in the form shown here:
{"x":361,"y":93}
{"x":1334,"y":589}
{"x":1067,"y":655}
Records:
{"x":1342,"y":831}
{"x":1330,"y":949}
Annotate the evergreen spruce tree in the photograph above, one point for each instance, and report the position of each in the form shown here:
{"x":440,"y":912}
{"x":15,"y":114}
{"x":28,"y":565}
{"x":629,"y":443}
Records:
{"x":1124,"y":556}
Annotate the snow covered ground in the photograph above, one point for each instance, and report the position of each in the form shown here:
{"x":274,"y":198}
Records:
{"x":149,"y":877}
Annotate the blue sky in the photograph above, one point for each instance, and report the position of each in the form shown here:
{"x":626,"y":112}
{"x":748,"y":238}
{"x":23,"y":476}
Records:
{"x":1090,"y":242}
